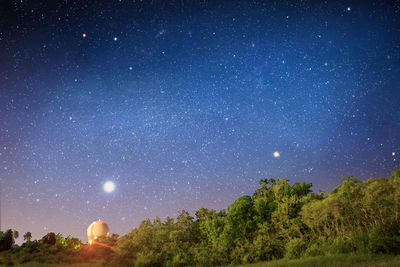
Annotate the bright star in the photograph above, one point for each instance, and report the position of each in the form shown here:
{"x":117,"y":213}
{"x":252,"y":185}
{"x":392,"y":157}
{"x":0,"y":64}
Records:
{"x":115,"y":38}
{"x":109,"y":186}
{"x":276,"y":154}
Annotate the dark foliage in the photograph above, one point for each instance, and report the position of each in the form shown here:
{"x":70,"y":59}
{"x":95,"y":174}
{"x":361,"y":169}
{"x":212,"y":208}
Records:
{"x":6,"y":240}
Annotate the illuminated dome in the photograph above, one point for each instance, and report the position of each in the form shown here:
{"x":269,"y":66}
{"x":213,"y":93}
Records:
{"x":97,"y":229}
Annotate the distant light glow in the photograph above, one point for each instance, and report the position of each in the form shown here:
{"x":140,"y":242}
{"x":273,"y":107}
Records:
{"x":276,"y":154}
{"x":84,"y":35}
{"x":109,"y":186}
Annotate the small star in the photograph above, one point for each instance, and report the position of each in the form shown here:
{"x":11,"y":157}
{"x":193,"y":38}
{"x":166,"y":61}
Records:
{"x":115,"y":38}
{"x":393,"y":154}
{"x":130,"y":68}
{"x":348,"y":8}
{"x":276,"y":154}
{"x":84,"y":35}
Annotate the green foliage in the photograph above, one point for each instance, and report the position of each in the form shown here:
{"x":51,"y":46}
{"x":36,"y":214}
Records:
{"x":239,"y":220}
{"x":160,"y":243}
{"x":50,"y":249}
{"x":341,"y":260}
{"x":278,"y":221}
{"x":357,"y":216}
{"x":70,"y":242}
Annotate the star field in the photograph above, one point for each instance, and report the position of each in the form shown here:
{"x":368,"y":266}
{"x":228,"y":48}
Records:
{"x":186,"y":105}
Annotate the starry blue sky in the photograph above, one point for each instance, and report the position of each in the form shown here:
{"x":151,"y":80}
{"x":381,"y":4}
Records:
{"x":183,"y":104}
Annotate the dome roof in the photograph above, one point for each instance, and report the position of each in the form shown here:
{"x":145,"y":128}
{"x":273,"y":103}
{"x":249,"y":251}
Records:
{"x":97,"y":229}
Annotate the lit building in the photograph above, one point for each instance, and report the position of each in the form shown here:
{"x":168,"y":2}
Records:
{"x":96,"y":230}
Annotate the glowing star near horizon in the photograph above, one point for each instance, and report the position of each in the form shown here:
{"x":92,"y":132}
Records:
{"x":109,"y":187}
{"x":276,"y":154}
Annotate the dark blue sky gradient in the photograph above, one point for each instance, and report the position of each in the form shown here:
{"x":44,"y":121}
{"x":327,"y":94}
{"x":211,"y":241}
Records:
{"x":182,"y":104}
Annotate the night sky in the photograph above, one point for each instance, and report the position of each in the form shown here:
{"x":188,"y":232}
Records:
{"x":182,"y":105}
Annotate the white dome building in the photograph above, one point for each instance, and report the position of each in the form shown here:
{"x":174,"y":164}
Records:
{"x":97,"y":229}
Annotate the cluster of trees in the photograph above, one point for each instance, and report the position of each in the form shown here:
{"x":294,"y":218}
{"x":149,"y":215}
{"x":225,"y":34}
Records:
{"x":7,"y":239}
{"x":278,"y":221}
{"x":51,"y":248}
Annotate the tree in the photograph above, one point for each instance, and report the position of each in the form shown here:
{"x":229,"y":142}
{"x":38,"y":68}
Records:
{"x":6,"y":240}
{"x":15,"y":235}
{"x":27,"y":236}
{"x":240,"y":223}
{"x":49,"y":239}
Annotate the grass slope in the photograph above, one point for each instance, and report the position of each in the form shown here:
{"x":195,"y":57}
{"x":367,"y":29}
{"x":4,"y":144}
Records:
{"x":34,"y":264}
{"x":334,"y":260}
{"x":324,"y":261}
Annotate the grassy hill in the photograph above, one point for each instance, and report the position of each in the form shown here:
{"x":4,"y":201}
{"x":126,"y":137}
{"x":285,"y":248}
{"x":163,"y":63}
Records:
{"x":342,"y":260}
{"x":334,"y":261}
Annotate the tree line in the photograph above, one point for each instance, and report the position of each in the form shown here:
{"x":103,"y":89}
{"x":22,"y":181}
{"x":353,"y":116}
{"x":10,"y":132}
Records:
{"x":279,"y":220}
